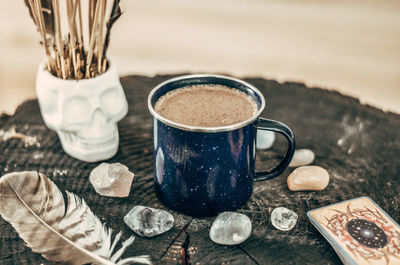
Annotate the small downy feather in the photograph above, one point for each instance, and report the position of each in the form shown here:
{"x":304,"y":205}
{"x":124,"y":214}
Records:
{"x":35,"y":207}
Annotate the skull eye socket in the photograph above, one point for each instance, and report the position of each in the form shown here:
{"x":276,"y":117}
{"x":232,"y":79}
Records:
{"x":112,"y":101}
{"x":76,"y":110}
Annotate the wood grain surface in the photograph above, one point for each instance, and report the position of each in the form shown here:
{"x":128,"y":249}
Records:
{"x":357,"y":144}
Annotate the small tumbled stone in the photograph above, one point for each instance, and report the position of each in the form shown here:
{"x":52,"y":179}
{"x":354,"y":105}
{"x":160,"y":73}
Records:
{"x":283,"y":219}
{"x":230,"y":228}
{"x":112,"y":180}
{"x":308,"y":178}
{"x":265,"y":139}
{"x":302,"y":157}
{"x":148,"y":222}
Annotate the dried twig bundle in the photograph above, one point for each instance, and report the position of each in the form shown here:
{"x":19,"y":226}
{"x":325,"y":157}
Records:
{"x":75,"y":41}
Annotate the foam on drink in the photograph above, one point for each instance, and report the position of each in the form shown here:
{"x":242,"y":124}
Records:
{"x":206,"y":106}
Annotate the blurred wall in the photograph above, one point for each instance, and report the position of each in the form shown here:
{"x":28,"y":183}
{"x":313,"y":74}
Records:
{"x":352,"y":46}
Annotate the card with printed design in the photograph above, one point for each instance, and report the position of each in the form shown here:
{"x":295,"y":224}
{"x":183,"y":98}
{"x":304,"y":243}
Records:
{"x":359,"y":231}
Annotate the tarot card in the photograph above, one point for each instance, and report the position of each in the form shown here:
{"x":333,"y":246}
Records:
{"x":359,"y":231}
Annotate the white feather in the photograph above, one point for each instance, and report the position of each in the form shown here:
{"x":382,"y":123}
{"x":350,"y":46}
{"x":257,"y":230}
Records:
{"x":35,"y":207}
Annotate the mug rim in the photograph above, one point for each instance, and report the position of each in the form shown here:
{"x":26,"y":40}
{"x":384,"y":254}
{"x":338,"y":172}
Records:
{"x":200,"y":128}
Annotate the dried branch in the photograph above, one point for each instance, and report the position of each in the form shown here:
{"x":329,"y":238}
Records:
{"x":65,"y":46}
{"x":92,"y":40}
{"x":114,"y":16}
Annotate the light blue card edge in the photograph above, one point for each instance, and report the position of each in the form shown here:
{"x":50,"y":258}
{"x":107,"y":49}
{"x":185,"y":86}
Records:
{"x":347,"y":258}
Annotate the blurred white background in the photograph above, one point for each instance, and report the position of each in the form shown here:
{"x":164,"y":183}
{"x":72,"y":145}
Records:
{"x":352,"y":46}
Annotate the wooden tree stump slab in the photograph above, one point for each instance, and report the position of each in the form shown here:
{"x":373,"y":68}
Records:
{"x":357,"y":144}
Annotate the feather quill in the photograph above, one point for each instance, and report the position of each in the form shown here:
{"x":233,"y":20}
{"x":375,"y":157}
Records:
{"x":35,"y":207}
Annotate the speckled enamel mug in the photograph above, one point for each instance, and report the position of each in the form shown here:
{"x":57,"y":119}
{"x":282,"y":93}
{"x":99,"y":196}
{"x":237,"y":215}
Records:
{"x":201,"y":171}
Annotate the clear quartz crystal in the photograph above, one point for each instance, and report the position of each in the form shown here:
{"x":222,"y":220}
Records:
{"x":230,"y":228}
{"x":112,"y":180}
{"x":283,"y":218}
{"x":148,"y":222}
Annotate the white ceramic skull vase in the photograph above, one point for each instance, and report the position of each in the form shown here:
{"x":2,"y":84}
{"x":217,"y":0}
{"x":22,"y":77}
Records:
{"x":84,"y":113}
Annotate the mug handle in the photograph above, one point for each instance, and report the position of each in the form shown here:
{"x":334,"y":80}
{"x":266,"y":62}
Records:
{"x":279,"y":127}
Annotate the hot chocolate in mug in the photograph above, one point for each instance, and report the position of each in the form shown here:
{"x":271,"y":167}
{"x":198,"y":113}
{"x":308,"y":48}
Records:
{"x":201,"y":171}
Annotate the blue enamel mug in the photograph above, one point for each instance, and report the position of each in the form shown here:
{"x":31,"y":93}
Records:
{"x":201,"y":171}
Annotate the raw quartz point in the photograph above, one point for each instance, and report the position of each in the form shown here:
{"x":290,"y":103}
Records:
{"x":148,"y":222}
{"x":112,"y":180}
{"x":265,"y":139}
{"x":308,"y":178}
{"x":230,"y":228}
{"x":283,"y":219}
{"x":302,"y":157}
